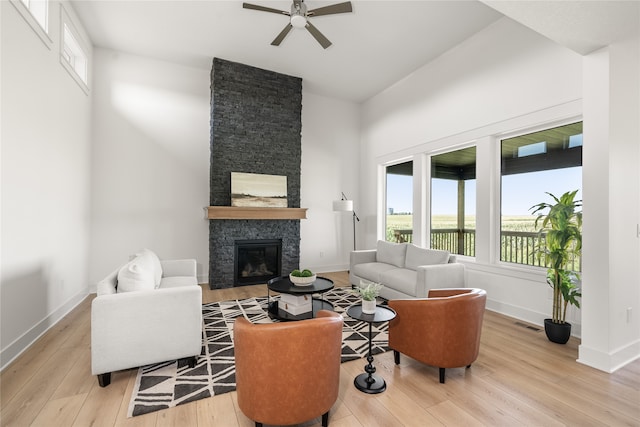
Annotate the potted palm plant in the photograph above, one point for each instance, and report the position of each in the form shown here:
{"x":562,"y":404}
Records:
{"x":561,"y":226}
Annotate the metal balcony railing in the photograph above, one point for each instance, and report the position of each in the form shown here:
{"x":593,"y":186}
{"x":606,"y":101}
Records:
{"x":515,"y":246}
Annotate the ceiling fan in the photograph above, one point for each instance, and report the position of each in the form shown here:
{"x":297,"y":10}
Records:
{"x":299,"y":18}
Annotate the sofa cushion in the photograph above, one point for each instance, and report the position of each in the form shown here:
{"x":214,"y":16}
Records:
{"x":391,"y":253}
{"x":155,"y":262}
{"x":400,"y":279}
{"x":137,"y":275}
{"x":417,"y":256}
{"x":371,"y":270}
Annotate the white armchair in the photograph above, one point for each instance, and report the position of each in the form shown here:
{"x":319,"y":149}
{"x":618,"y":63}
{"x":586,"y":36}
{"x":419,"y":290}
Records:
{"x":149,"y":324}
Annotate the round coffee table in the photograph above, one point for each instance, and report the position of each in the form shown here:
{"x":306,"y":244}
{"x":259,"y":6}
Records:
{"x":284,"y":286}
{"x":368,"y":382}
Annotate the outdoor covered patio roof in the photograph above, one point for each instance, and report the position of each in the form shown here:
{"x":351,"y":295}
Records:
{"x":556,"y":148}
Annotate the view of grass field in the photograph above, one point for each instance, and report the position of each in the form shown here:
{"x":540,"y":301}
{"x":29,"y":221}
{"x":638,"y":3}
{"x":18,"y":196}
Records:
{"x":524,"y":223}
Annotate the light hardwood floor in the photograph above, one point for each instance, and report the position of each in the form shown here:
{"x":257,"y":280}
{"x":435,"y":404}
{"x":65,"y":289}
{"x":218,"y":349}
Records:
{"x":519,"y":379}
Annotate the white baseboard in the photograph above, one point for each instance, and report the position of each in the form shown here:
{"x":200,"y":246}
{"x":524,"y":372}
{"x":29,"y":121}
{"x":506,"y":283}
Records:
{"x":527,"y":315}
{"x":21,"y":344}
{"x":609,"y":362}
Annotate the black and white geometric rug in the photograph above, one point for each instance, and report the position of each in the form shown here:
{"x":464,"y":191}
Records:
{"x":165,"y":385}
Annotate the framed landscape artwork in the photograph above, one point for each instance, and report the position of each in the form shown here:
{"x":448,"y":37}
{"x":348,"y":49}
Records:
{"x":252,"y":189}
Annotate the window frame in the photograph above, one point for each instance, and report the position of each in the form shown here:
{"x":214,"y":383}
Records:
{"x":497,"y":142}
{"x":385,"y":192}
{"x":428,"y":213}
{"x":79,"y":50}
{"x":27,"y":14}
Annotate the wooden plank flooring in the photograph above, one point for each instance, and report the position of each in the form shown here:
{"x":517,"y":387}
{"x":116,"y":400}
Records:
{"x":519,"y":379}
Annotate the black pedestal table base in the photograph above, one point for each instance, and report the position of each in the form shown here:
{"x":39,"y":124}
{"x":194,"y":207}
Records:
{"x":368,"y":382}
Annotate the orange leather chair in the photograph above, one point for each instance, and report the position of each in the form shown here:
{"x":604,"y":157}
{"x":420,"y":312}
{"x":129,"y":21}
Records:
{"x":442,"y":330}
{"x":288,"y":372}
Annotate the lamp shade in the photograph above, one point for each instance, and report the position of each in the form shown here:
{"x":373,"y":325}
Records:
{"x":343,"y":205}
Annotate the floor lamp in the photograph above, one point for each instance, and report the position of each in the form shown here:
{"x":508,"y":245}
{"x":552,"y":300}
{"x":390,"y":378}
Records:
{"x":346,"y":205}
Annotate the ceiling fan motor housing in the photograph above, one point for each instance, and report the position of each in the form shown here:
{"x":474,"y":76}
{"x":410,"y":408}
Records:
{"x":298,"y":15}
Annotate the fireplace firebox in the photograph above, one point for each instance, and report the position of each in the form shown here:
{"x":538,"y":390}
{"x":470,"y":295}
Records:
{"x":257,"y":261}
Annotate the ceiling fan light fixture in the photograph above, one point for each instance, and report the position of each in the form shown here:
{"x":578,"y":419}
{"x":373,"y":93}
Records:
{"x":298,"y":21}
{"x":298,"y":18}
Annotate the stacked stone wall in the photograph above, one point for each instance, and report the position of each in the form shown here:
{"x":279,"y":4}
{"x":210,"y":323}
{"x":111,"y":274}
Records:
{"x":256,"y":125}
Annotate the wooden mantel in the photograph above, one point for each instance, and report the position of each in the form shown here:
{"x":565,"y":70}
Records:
{"x":233,"y":212}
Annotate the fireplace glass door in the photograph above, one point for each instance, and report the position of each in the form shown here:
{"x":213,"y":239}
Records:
{"x":257,"y":261}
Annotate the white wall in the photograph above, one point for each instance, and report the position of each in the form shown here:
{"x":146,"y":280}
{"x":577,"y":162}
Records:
{"x":503,"y":79}
{"x":45,"y":137}
{"x":150,"y":166}
{"x":150,"y":161}
{"x":330,"y":136}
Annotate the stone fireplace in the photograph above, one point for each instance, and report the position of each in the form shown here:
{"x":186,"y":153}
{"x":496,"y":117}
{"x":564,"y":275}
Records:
{"x":255,"y":128}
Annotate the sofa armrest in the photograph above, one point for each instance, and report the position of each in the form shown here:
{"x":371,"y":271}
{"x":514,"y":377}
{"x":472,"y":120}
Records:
{"x":361,"y":257}
{"x":439,"y":276}
{"x":138,"y":328}
{"x":178,"y":267}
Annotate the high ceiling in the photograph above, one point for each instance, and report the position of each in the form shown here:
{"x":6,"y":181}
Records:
{"x":374,"y":46}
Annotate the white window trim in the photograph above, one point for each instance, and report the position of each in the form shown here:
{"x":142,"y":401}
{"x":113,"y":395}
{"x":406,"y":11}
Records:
{"x":67,"y":22}
{"x":33,"y":22}
{"x":497,"y":141}
{"x":427,"y":213}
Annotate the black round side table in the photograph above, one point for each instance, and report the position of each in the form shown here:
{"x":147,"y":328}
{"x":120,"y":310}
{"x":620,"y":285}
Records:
{"x":284,"y":286}
{"x":368,"y":382}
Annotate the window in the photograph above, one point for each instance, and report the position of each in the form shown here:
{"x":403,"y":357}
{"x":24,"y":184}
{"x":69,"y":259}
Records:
{"x":39,"y":10}
{"x":399,"y":203}
{"x":547,"y":161}
{"x":36,"y":14}
{"x":453,"y":201}
{"x":73,"y":56}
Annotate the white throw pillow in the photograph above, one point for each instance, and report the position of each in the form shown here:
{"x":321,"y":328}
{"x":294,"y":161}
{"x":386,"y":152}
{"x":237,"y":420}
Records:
{"x":137,"y":275}
{"x":421,"y":256}
{"x":155,"y":261}
{"x":391,"y":253}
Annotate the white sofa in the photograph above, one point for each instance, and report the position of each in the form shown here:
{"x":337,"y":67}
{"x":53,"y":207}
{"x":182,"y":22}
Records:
{"x":146,"y":311}
{"x":406,"y":270}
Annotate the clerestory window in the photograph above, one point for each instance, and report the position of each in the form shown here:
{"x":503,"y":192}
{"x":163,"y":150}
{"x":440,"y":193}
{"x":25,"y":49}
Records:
{"x":36,"y":14}
{"x":39,"y":10}
{"x":73,"y":54}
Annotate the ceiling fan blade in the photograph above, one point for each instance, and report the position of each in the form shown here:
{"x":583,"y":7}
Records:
{"x":331,"y":9}
{"x":324,"y":42}
{"x":264,"y":9}
{"x":282,"y":35}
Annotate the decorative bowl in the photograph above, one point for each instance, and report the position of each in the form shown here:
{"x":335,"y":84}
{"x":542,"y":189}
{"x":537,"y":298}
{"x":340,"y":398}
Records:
{"x":302,"y":281}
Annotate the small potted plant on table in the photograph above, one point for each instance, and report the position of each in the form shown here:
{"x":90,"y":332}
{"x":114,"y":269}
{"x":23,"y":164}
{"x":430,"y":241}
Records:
{"x":562,"y":226}
{"x":368,"y":291}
